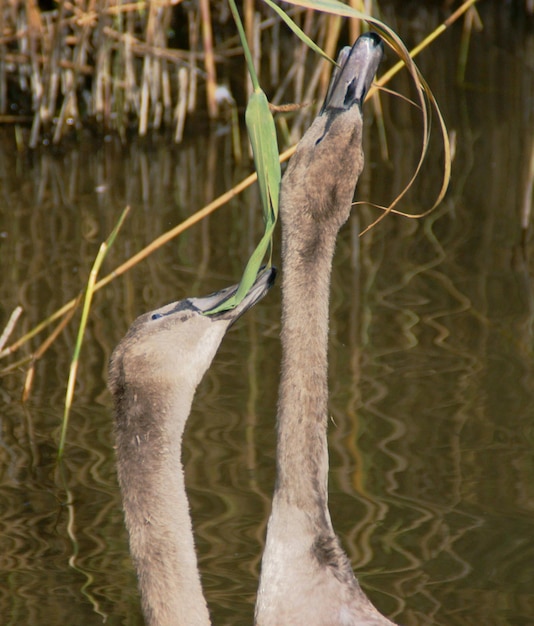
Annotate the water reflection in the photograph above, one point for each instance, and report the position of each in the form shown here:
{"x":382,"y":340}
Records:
{"x":431,"y":370}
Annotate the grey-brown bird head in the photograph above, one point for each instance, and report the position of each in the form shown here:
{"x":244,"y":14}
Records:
{"x":318,"y":186}
{"x":355,"y":71}
{"x":175,"y":344}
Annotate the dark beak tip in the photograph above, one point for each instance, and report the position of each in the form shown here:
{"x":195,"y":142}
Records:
{"x":375,"y":39}
{"x":272,"y":277}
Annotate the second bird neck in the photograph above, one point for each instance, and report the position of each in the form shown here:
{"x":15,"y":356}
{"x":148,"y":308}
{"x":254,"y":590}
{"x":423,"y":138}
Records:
{"x":303,"y":402}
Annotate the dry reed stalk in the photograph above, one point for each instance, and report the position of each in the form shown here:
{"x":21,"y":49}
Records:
{"x":526,"y":209}
{"x":209,"y":60}
{"x":34,"y":30}
{"x":69,"y":107}
{"x":379,"y":116}
{"x":148,"y":62}
{"x":327,"y":38}
{"x":300,"y":61}
{"x":102,"y":83}
{"x":131,"y":92}
{"x":333,"y":28}
{"x":325,"y":31}
{"x":355,"y":26}
{"x":181,"y":106}
{"x":165,"y":87}
{"x":290,"y":79}
{"x":140,"y":49}
{"x":193,"y":29}
{"x":160,"y":81}
{"x":51,"y":74}
{"x":41,"y":350}
{"x":472,"y":22}
{"x":3,"y":72}
{"x":9,"y":327}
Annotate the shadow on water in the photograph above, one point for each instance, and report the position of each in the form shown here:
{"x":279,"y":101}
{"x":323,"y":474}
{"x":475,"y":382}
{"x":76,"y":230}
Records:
{"x":431,"y":369}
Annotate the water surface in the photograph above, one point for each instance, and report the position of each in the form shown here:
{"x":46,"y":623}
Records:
{"x":431,"y":377}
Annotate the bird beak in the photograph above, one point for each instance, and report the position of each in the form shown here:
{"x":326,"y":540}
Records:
{"x":350,"y":81}
{"x":264,"y":281}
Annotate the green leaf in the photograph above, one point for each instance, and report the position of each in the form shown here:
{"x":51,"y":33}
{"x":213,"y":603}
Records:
{"x":335,"y":7}
{"x":297,"y":30}
{"x":329,"y":6}
{"x":262,"y":135}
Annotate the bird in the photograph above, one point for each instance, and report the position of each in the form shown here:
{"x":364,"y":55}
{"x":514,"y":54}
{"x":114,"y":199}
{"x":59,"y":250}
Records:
{"x":153,"y":374}
{"x":306,"y":578}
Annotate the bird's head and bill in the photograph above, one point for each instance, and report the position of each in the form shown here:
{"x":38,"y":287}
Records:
{"x":318,"y":186}
{"x":354,"y":73}
{"x":178,"y":341}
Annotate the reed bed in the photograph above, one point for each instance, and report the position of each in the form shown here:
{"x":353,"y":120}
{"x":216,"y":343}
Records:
{"x":103,"y":62}
{"x":146,"y":66}
{"x":120,"y":66}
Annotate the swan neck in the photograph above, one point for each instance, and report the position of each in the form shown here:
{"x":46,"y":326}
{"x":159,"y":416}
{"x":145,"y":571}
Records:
{"x":149,"y":441}
{"x":303,"y":401}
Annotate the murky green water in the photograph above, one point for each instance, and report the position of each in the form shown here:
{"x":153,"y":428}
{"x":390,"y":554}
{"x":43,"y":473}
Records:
{"x":432,"y":377}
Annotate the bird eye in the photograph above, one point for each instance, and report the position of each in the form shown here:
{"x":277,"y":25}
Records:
{"x":156,"y":316}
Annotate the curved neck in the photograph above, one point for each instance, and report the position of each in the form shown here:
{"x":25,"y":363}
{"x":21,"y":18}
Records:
{"x":156,"y":509}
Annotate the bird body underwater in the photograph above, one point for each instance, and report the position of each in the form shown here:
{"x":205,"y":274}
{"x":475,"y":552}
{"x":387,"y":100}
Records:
{"x":306,"y":577}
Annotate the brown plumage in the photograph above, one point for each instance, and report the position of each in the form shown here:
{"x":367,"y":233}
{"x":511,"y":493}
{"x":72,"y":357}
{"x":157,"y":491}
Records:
{"x":154,"y":372}
{"x":306,"y":577}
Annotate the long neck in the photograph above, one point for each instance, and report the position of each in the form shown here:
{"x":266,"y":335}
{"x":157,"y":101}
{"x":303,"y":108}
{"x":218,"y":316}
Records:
{"x":303,"y":401}
{"x":149,"y":440}
{"x":314,"y":202}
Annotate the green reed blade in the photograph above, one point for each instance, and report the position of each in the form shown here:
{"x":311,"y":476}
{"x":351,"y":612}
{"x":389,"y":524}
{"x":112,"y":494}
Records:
{"x":262,"y":134}
{"x":298,"y":31}
{"x":89,"y":291}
